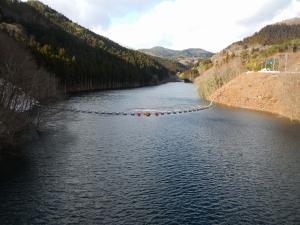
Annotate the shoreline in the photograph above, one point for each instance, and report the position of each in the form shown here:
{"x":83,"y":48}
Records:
{"x":270,"y":113}
{"x":268,"y":93}
{"x":83,"y":91}
{"x":25,"y":136}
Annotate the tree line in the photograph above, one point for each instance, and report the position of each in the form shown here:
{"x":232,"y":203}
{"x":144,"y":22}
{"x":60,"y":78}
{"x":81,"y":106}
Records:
{"x":275,"y":34}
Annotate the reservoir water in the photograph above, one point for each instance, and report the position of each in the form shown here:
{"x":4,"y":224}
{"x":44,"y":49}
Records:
{"x":218,"y":166}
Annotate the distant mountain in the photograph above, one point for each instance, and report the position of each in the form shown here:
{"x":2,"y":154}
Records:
{"x":175,"y":54}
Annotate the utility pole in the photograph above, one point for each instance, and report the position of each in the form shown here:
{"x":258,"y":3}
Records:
{"x":266,"y":64}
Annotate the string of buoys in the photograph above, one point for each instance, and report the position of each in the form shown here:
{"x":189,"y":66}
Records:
{"x":141,"y":113}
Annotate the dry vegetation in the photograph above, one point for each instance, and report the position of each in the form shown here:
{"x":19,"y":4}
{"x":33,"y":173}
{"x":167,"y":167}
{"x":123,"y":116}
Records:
{"x":218,"y":75}
{"x":23,"y":85}
{"x":279,"y":94}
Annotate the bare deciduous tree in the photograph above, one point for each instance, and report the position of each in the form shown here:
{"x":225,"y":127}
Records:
{"x":23,"y":86}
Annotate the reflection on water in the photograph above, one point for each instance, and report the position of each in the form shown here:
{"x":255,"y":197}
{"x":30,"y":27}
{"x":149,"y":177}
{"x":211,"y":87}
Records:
{"x":218,"y":166}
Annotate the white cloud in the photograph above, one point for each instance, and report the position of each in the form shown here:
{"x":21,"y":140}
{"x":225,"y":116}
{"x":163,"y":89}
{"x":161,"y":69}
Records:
{"x":90,"y":13}
{"x":211,"y":24}
{"x":177,"y":24}
{"x":291,"y":11}
{"x":267,"y":11}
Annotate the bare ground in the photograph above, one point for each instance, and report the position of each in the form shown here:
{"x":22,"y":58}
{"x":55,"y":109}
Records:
{"x":274,"y":93}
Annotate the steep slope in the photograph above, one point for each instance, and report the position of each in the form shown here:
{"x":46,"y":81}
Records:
{"x":23,"y":85}
{"x":81,"y":59}
{"x":250,"y":54}
{"x":277,"y":93}
{"x":277,"y":44}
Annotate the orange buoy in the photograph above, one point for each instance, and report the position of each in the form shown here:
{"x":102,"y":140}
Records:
{"x":147,"y":114}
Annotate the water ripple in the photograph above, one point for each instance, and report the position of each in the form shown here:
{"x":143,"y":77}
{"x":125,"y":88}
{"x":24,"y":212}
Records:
{"x":217,"y":167}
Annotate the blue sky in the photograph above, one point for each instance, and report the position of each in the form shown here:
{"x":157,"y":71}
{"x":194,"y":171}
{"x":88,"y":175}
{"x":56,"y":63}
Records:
{"x":177,"y":24}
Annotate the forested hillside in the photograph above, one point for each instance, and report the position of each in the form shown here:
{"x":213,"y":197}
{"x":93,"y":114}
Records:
{"x":43,"y":54}
{"x":271,"y":43}
{"x":275,"y":34}
{"x":81,"y":59}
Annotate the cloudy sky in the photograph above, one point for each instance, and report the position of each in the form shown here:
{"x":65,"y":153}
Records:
{"x":176,"y":24}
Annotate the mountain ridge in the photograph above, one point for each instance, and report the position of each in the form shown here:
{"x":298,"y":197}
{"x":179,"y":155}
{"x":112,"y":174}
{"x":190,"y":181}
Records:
{"x":276,"y":33}
{"x":163,"y":52}
{"x":292,"y":21}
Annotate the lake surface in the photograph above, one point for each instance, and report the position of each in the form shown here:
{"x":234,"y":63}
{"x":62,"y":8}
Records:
{"x":218,"y":166}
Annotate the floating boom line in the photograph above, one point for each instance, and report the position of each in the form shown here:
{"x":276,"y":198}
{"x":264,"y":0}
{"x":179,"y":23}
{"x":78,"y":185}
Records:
{"x":139,"y":112}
